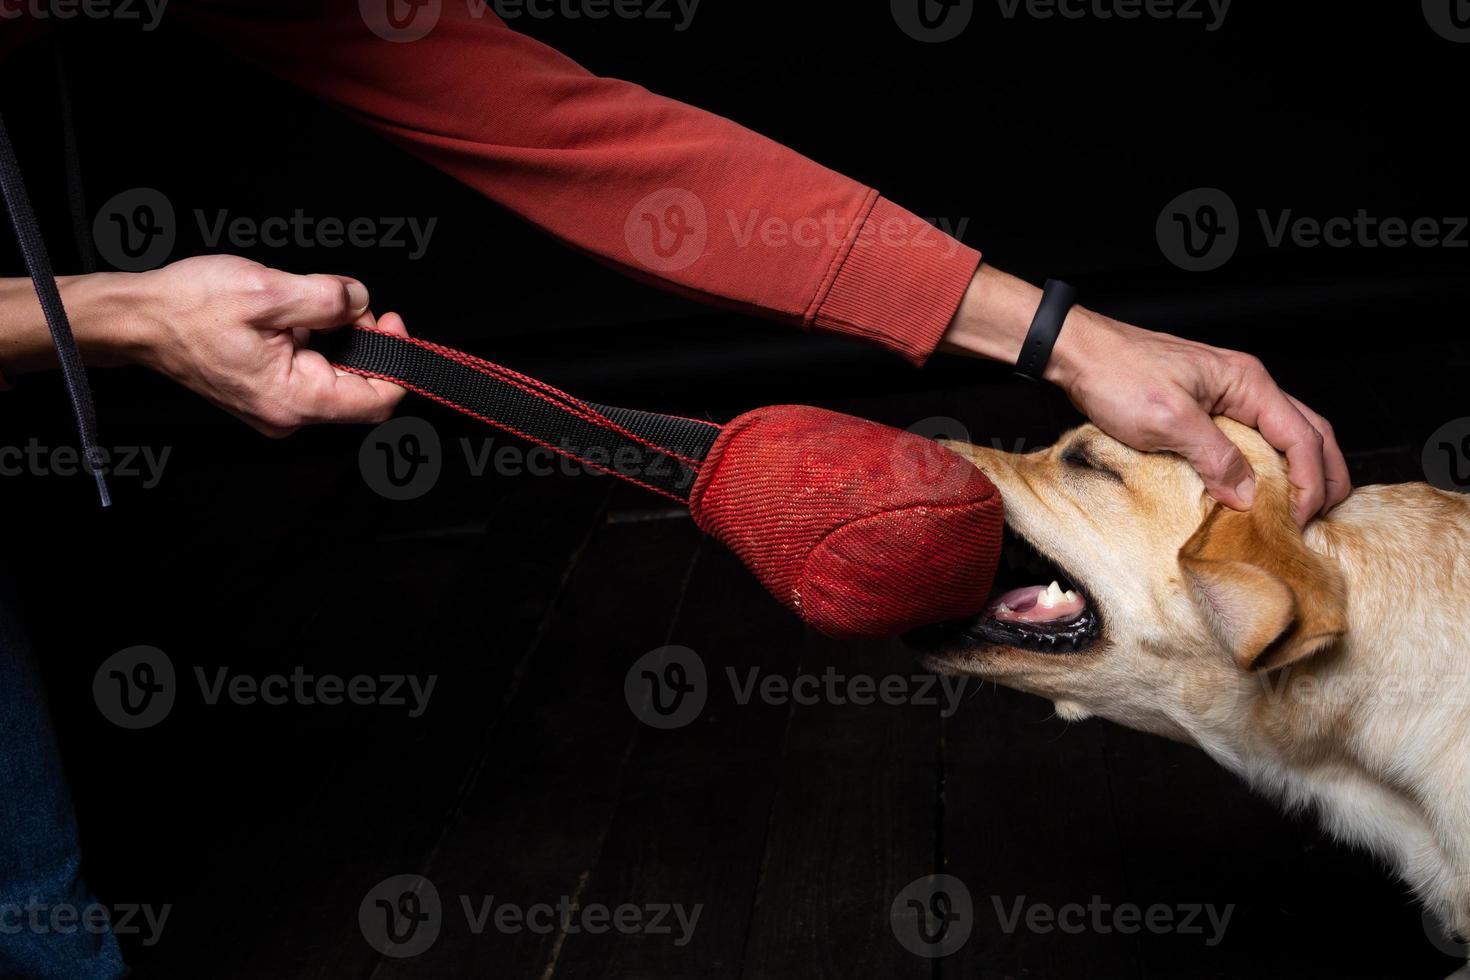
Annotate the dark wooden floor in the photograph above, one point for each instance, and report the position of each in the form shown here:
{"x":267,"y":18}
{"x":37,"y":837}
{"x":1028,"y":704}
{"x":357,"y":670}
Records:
{"x":792,"y":826}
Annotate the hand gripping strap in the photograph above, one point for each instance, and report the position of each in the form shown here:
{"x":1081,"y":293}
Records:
{"x":661,"y":453}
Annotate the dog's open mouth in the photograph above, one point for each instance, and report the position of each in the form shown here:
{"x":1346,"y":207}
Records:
{"x":1051,"y":614}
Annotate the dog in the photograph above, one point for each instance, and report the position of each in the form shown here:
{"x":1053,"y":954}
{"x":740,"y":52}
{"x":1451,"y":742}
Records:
{"x":1329,"y":667}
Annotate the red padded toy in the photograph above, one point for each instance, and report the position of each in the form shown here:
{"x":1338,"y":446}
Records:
{"x":862,"y":529}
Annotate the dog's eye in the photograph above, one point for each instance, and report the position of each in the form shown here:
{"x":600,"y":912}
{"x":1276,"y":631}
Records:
{"x":1076,"y":457}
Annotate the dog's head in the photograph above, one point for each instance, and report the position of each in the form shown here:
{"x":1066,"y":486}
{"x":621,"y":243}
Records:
{"x":1157,"y":585}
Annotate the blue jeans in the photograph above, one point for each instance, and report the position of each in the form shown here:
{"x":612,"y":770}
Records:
{"x":46,"y":929}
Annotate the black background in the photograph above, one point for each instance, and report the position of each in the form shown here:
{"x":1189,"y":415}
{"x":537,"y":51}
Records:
{"x":1057,"y":141}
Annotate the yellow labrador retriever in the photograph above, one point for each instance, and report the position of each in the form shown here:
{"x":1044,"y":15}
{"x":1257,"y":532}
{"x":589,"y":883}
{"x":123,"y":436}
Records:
{"x":1329,"y":668}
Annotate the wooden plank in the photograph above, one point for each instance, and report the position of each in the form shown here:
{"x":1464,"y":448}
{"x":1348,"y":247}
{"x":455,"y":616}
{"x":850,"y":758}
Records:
{"x":370,"y":787}
{"x":854,"y":823}
{"x":1029,"y":824}
{"x":531,"y":821}
{"x":691,"y":822}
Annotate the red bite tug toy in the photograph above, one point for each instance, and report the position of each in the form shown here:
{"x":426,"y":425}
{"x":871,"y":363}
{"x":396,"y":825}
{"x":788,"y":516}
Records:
{"x":860,"y":528}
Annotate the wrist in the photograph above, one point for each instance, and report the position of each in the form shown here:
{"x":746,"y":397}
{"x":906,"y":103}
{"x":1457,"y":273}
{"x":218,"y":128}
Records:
{"x":993,"y":316}
{"x":1079,"y":332}
{"x":106,"y":310}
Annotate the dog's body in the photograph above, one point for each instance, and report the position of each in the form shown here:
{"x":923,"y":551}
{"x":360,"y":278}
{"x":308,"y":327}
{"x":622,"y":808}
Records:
{"x":1330,"y":669}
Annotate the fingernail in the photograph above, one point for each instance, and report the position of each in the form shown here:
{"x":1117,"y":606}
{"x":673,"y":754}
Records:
{"x":1246,"y":490}
{"x":357,"y":297}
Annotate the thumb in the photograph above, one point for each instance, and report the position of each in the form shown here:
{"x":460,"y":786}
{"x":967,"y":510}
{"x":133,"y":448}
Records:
{"x":315,"y":302}
{"x":1228,"y":477}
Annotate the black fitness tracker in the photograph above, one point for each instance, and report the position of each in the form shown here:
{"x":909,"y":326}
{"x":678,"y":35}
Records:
{"x":1057,"y":298}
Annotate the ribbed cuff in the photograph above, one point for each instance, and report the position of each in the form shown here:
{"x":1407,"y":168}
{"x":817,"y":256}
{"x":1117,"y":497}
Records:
{"x":899,"y":285}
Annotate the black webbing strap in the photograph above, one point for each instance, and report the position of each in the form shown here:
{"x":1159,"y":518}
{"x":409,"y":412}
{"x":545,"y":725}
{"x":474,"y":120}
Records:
{"x":661,"y":453}
{"x":38,"y":264}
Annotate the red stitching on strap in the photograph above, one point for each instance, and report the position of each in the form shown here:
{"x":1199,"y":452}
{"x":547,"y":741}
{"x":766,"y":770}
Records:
{"x":536,"y":389}
{"x":361,"y":372}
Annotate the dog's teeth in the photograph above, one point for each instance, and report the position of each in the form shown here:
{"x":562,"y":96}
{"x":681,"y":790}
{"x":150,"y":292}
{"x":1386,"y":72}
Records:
{"x":1051,"y":595}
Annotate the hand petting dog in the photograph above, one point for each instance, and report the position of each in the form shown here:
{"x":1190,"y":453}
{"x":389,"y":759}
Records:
{"x":1153,"y":391}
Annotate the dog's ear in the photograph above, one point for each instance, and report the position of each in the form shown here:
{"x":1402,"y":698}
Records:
{"x":1268,"y":597}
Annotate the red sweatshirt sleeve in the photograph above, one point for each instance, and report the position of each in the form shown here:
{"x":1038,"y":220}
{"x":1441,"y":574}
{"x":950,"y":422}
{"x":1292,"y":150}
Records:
{"x":658,"y":188}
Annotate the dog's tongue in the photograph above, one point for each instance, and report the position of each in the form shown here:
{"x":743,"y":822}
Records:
{"x":1038,"y":604}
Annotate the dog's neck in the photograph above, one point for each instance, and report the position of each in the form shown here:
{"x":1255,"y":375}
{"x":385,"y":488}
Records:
{"x":1365,"y":732}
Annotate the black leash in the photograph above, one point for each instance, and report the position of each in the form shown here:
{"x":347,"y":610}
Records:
{"x":662,"y":453}
{"x":38,"y":265}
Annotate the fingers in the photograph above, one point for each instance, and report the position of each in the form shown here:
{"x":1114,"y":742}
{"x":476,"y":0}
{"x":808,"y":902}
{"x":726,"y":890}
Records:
{"x":1184,"y":384}
{"x":356,"y":399}
{"x":323,"y":393}
{"x":316,"y":302}
{"x":391,"y":323}
{"x":387,"y":392}
{"x":1226,"y":474}
{"x":1339,"y":483}
{"x":320,"y":393}
{"x":1258,"y":402}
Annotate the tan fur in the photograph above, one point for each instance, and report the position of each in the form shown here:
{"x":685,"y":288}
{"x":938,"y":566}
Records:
{"x":1330,"y":668}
